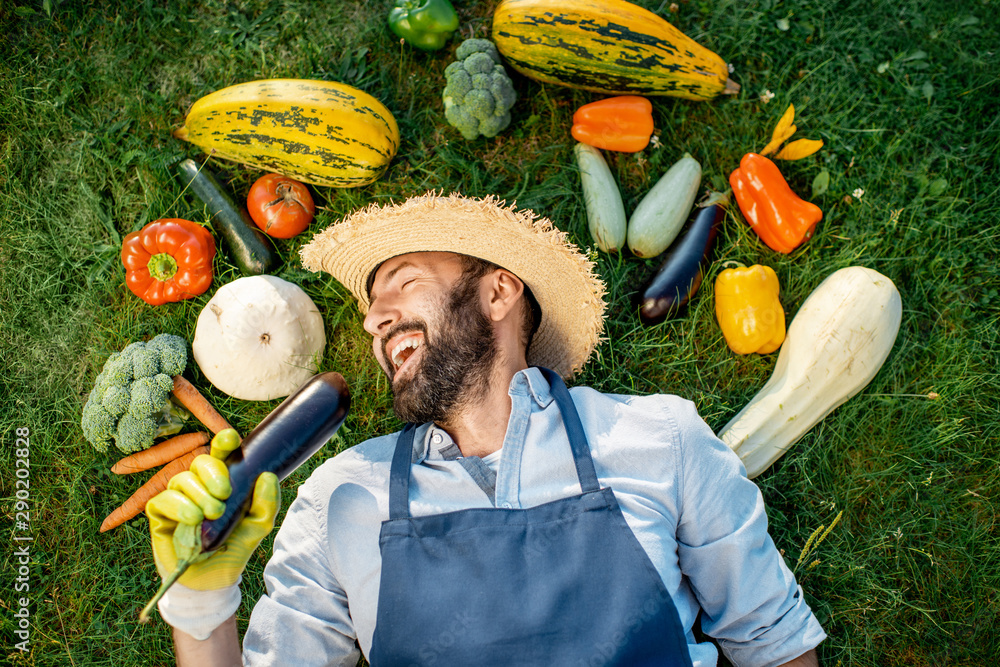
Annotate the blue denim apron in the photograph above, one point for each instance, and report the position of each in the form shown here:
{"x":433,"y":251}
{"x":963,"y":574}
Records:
{"x":564,"y":583}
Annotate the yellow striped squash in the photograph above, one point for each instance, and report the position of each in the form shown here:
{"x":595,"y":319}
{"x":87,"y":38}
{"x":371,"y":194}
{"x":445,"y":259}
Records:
{"x":606,"y":46}
{"x":319,"y":132}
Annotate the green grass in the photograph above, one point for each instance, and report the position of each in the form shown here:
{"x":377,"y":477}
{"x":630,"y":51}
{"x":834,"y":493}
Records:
{"x":903,"y":95}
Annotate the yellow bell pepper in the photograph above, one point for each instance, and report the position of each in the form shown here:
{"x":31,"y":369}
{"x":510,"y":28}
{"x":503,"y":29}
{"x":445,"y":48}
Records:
{"x":748,"y":310}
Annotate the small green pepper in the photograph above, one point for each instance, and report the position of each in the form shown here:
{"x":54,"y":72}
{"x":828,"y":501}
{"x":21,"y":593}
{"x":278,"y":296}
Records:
{"x":426,"y":24}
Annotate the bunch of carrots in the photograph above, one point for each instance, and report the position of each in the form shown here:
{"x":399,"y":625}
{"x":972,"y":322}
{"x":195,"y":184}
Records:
{"x":174,"y":454}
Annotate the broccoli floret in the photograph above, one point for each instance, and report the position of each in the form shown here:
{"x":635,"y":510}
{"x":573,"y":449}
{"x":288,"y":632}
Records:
{"x":478,"y":94}
{"x":471,"y":46}
{"x":149,"y":394}
{"x":172,"y":351}
{"x":145,"y":362}
{"x":117,"y":371}
{"x":99,"y":427}
{"x":115,"y":401}
{"x":479,"y":103}
{"x":134,"y":433}
{"x":501,"y":89}
{"x":132,"y":390}
{"x":493,"y":125}
{"x":459,"y":82}
{"x":479,"y":63}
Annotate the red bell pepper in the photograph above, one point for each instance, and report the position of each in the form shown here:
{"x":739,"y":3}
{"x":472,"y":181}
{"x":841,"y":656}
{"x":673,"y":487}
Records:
{"x":168,"y":260}
{"x":781,"y":219}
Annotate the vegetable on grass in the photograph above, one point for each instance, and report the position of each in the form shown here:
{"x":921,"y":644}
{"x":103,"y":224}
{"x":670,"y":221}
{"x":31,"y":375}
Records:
{"x":280,"y":206}
{"x":680,"y":273}
{"x":130,"y":402}
{"x":425,"y":24}
{"x":252,"y":251}
{"x":192,"y":399}
{"x":259,"y":338}
{"x":318,"y":132}
{"x":136,"y":503}
{"x":748,"y":309}
{"x":779,"y":216}
{"x":606,"y":46}
{"x":835,"y":345}
{"x":283,"y":441}
{"x":784,"y":130}
{"x":160,"y":453}
{"x":478,"y":94}
{"x":605,"y":209}
{"x":659,"y":217}
{"x":622,"y":124}
{"x":168,"y":260}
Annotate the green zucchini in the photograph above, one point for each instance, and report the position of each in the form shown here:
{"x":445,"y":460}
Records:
{"x":605,"y":210}
{"x":659,"y":217}
{"x":251,"y":250}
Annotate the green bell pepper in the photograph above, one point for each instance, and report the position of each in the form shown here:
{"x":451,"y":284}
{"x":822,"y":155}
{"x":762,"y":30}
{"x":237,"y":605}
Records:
{"x":426,"y":24}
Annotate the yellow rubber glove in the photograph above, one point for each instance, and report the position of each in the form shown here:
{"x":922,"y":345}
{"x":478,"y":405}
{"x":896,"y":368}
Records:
{"x":198,"y":494}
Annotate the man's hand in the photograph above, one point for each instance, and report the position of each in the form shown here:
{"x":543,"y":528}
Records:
{"x":197,"y":494}
{"x":207,"y":594}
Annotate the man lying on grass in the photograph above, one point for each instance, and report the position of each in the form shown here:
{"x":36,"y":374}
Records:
{"x":512,"y":522}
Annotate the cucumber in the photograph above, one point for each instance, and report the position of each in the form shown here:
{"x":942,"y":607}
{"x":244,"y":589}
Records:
{"x":251,"y":250}
{"x":605,"y":210}
{"x":658,"y":218}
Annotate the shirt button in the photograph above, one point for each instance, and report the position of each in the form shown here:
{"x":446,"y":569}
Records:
{"x":506,"y":506}
{"x":436,"y":439}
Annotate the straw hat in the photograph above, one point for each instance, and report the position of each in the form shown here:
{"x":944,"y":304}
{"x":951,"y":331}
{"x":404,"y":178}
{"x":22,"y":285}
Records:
{"x":562,"y":279}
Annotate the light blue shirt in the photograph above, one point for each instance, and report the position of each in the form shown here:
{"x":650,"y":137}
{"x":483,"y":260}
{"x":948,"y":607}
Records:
{"x":683,"y":493}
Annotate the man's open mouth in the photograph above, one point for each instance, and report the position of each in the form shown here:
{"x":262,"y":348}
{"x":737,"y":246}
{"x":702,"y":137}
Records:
{"x":404,"y":350}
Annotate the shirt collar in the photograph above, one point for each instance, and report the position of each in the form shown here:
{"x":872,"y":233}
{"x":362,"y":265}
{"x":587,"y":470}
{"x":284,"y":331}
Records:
{"x":434,"y":443}
{"x":530,"y":382}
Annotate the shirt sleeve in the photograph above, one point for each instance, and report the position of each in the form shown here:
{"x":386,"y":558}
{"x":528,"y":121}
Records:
{"x":750,"y":600}
{"x":303,"y":619}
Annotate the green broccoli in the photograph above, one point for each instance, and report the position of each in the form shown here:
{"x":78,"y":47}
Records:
{"x":130,"y":402}
{"x":478,"y":95}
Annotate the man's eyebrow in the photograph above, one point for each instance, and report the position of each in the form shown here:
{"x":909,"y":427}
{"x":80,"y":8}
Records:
{"x":388,"y":277}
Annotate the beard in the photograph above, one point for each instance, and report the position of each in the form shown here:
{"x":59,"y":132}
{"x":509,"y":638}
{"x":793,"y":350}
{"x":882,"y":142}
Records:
{"x":456,"y":362}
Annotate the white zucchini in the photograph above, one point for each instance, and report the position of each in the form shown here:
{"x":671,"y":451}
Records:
{"x":659,"y":217}
{"x":605,"y":210}
{"x":835,"y":345}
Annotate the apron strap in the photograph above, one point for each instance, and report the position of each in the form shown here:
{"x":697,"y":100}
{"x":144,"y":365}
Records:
{"x":399,"y":473}
{"x":574,"y":429}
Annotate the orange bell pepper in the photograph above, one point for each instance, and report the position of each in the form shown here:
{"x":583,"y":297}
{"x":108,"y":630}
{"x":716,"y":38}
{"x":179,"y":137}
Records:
{"x":622,"y":124}
{"x":781,"y":219}
{"x":748,"y":310}
{"x":168,"y":260}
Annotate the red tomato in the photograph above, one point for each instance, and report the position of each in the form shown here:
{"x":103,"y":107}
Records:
{"x":282,"y":207}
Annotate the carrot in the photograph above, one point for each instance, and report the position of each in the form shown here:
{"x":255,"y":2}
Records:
{"x":160,"y":453}
{"x":198,"y":405}
{"x":136,"y":503}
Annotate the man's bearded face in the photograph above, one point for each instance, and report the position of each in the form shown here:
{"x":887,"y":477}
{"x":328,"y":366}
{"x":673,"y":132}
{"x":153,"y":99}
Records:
{"x":457,"y":356}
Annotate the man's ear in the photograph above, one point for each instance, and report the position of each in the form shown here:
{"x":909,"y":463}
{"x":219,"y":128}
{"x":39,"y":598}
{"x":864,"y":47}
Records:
{"x":505,"y":289}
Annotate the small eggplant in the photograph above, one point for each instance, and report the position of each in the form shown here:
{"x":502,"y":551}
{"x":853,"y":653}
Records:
{"x":679,"y":276}
{"x":283,"y":440}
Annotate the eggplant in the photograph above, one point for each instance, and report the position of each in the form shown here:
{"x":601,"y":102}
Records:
{"x":284,"y":440}
{"x":679,"y":275}
{"x":290,"y":434}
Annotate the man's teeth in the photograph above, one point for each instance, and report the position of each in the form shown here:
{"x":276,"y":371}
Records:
{"x":397,"y":354}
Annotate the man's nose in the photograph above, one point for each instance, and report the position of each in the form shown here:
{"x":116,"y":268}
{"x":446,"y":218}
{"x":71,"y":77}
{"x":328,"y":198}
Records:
{"x":381,"y":315}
